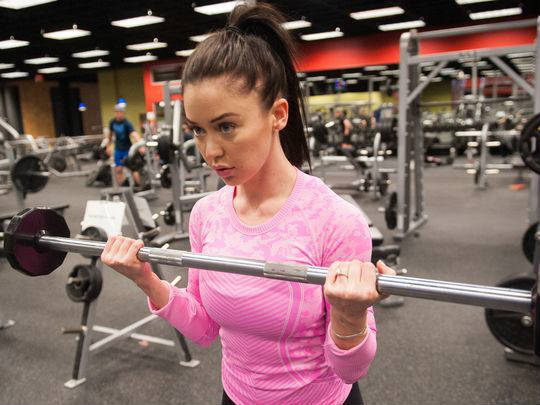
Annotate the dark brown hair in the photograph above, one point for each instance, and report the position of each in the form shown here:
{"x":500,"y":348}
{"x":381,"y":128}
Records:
{"x":256,"y":48}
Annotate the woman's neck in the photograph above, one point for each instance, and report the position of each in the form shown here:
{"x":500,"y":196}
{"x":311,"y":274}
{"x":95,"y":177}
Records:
{"x":275,"y":180}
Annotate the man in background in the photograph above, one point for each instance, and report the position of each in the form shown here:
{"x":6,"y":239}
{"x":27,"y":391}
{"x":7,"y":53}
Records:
{"x":122,"y":133}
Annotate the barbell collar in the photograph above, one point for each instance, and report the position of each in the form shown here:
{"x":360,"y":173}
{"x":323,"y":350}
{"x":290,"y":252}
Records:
{"x":460,"y":293}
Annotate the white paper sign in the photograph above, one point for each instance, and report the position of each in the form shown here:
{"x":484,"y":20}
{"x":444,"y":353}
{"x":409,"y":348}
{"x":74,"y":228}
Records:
{"x":107,"y":215}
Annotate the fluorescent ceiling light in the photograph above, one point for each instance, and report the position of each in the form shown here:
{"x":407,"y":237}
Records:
{"x":520,"y":54}
{"x":18,"y":4}
{"x":447,"y":71}
{"x":351,"y":81}
{"x":437,"y":79}
{"x":503,"y":12}
{"x":294,"y":25}
{"x":137,"y":21}
{"x":480,"y":63}
{"x":14,"y":75}
{"x":462,"y":2}
{"x":402,"y":25}
{"x":374,"y":68}
{"x":13,"y":43}
{"x":351,"y":75}
{"x":390,"y":72}
{"x":55,"y":69}
{"x":143,"y":46}
{"x":94,"y":65}
{"x":90,"y":54}
{"x":140,"y":58}
{"x":199,"y":38}
{"x":380,"y":12}
{"x":315,"y":78}
{"x":6,"y":65}
{"x":218,"y":8}
{"x":67,"y":34}
{"x":41,"y":61}
{"x":300,"y":74}
{"x":428,"y":63}
{"x":321,"y":35}
{"x":332,"y":80}
{"x":184,"y":52}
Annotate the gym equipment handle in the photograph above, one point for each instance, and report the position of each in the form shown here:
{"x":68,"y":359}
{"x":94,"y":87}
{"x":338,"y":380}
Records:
{"x":468,"y":294}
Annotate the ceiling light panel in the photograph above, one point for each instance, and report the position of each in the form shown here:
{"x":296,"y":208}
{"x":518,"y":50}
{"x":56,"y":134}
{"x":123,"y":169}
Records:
{"x":315,"y":78}
{"x":504,"y":12}
{"x":138,"y":21}
{"x":18,"y":4}
{"x":146,"y":45}
{"x":95,"y":53}
{"x":7,"y":65}
{"x":14,"y":75}
{"x":321,"y":35}
{"x":218,"y":8}
{"x":294,"y":25}
{"x":374,"y":68}
{"x":377,"y":13}
{"x":54,"y":69}
{"x":140,"y":58}
{"x":185,"y":52}
{"x":351,"y":75}
{"x":402,"y":25}
{"x":41,"y":61}
{"x":94,"y":65}
{"x":67,"y":34}
{"x":199,"y":38}
{"x":463,"y":2}
{"x":13,"y":43}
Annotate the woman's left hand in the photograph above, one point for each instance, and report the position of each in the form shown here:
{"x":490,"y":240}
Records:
{"x":351,"y":288}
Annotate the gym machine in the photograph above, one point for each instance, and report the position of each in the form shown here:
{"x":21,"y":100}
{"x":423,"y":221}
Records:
{"x":37,"y":242}
{"x":84,"y":285}
{"x":409,"y":214}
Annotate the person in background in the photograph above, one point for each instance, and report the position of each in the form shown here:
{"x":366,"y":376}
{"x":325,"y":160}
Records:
{"x":122,"y":133}
{"x":344,"y":126}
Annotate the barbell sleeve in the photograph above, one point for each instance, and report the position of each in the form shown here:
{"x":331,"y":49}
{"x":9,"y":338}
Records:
{"x":460,"y":293}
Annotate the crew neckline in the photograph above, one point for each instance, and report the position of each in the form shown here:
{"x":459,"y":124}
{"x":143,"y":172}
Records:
{"x":276,"y":219}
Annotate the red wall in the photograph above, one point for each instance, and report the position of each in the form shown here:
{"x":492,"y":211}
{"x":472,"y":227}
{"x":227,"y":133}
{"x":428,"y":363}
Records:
{"x":383,"y":48}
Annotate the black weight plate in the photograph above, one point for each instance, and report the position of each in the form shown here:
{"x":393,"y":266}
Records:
{"x":168,"y":214}
{"x":390,"y":212}
{"x":527,"y":243}
{"x":22,"y":253}
{"x":165,"y":177}
{"x":529,"y":143}
{"x":84,"y":283}
{"x":58,"y":163}
{"x":164,"y":148}
{"x":512,"y":329}
{"x":25,"y":174}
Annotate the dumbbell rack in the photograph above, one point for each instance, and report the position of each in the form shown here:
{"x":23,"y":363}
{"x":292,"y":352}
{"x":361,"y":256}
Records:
{"x":85,"y":331}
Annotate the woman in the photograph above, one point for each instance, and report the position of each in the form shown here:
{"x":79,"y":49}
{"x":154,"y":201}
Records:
{"x":283,"y":342}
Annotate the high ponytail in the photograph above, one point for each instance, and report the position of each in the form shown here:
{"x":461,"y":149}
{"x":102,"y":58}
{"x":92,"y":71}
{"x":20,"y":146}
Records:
{"x":255,"y":47}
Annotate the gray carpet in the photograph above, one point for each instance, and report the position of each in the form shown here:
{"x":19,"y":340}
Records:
{"x":427,"y":352}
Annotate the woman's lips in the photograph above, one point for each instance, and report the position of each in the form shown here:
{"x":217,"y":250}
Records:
{"x":225,"y":171}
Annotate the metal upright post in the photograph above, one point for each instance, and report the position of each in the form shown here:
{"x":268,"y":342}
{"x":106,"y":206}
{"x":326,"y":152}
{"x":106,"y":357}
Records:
{"x":167,"y":110}
{"x":404,"y":152}
{"x":474,"y":79}
{"x":534,"y":189}
{"x":415,"y":127}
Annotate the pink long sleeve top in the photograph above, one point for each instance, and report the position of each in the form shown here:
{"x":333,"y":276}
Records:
{"x":275,"y":335}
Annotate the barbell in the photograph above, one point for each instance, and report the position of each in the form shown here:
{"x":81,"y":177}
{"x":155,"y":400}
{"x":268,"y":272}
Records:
{"x":37,"y":241}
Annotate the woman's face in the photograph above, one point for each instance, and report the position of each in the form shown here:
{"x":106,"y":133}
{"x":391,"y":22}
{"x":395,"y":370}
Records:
{"x":231,"y":128}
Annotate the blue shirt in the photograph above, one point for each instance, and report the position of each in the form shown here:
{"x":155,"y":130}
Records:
{"x":121,"y":130}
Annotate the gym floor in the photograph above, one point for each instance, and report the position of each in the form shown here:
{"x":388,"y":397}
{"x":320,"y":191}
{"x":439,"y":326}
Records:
{"x":428,"y":352}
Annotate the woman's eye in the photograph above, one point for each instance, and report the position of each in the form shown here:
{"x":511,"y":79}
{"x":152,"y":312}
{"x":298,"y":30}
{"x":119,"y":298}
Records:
{"x":197,"y":131}
{"x":226,"y":128}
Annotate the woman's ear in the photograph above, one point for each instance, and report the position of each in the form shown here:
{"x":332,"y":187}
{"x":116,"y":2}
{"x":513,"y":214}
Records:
{"x":280,"y":112}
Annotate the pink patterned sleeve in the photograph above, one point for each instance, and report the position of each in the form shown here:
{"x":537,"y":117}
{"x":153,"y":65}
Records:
{"x":349,"y":239}
{"x":185,"y":310}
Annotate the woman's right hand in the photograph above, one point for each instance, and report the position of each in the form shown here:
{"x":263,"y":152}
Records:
{"x":120,"y":253}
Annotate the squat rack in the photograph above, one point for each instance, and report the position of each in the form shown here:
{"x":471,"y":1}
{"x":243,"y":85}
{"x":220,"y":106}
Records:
{"x":411,"y":213}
